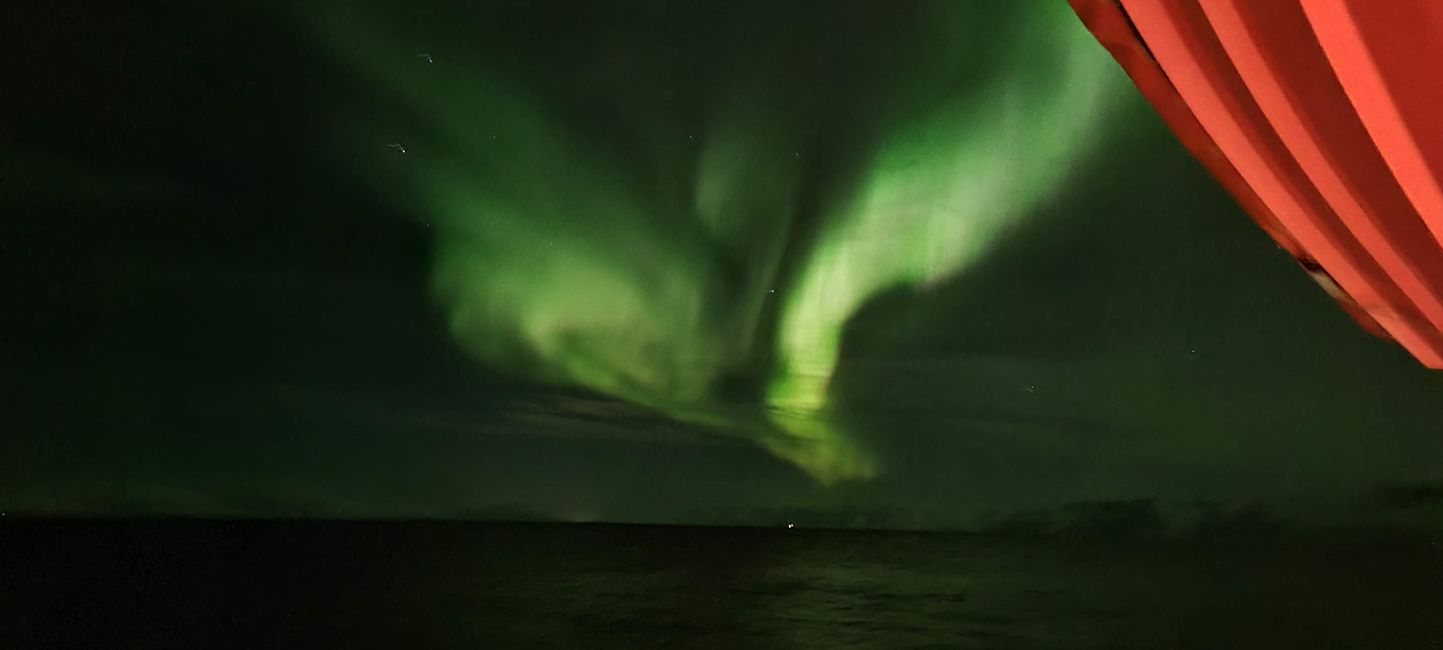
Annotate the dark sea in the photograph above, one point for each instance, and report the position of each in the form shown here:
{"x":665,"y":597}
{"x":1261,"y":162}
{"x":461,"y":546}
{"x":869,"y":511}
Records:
{"x":207,"y":584}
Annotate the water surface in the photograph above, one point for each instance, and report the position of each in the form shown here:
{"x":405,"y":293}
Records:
{"x":179,"y":583}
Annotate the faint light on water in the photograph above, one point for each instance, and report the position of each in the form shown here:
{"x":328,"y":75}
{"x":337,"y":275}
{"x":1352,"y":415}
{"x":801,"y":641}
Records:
{"x":790,"y":525}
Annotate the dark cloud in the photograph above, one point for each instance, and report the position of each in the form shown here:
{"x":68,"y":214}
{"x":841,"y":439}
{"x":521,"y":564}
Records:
{"x":1407,"y":496}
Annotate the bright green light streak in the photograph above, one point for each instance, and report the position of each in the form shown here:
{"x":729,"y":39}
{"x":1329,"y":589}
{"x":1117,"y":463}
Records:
{"x":939,"y":193}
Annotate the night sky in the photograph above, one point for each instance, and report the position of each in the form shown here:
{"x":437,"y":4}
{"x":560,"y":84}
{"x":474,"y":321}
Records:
{"x":865,"y":263}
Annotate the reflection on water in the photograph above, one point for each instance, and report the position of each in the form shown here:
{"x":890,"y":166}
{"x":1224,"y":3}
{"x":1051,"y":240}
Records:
{"x":570,"y":586}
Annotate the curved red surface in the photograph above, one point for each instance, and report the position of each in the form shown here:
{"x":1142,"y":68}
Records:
{"x":1314,"y":115}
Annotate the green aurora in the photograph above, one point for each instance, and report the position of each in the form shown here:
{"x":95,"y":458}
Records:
{"x":706,"y":267}
{"x":661,"y":261}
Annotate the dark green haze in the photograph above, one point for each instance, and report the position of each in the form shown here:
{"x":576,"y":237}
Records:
{"x":891,"y":263}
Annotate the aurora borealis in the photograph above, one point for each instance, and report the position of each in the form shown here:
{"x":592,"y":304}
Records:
{"x":648,"y":263}
{"x":651,"y":261}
